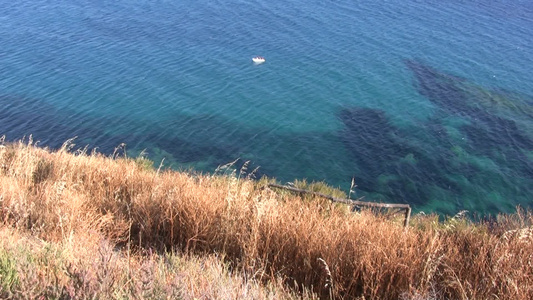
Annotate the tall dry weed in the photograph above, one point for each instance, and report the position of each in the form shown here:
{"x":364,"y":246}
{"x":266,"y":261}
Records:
{"x":267,"y":235}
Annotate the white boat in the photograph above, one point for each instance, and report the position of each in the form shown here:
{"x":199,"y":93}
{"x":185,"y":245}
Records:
{"x":258,"y":60}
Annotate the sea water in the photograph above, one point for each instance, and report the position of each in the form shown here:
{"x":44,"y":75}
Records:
{"x":421,"y":102}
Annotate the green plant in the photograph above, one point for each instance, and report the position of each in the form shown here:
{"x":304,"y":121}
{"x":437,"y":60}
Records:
{"x":8,"y":273}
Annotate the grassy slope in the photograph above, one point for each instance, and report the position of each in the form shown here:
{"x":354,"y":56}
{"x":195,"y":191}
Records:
{"x":113,"y":218}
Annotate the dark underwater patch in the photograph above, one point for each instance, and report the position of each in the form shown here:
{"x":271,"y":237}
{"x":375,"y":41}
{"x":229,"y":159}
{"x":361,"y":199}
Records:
{"x":485,"y":155}
{"x":489,"y":133}
{"x":388,"y":163}
{"x":497,"y":125}
{"x":188,"y":139}
{"x":22,"y":116}
{"x":488,"y":156}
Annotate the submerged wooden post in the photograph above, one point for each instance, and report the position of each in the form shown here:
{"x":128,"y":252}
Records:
{"x":406,"y":207}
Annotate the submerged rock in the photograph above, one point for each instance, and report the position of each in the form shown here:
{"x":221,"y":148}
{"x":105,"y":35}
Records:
{"x":489,"y":129}
{"x":388,"y":163}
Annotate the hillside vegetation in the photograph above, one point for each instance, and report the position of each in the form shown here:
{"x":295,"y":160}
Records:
{"x":76,"y":225}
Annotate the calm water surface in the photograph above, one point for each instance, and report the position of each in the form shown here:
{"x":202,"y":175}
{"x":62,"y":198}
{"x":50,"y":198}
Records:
{"x":422,"y":102}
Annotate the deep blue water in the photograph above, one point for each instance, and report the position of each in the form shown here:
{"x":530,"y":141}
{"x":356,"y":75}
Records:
{"x":424,"y":102}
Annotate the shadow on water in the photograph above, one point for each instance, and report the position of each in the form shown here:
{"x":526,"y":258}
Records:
{"x":187,"y":139}
{"x":201,"y":142}
{"x":21,"y":116}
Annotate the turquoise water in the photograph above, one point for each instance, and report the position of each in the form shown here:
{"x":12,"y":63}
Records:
{"x":422,"y":102}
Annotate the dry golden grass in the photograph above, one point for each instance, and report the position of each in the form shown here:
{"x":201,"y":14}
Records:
{"x":81,"y":200}
{"x":31,"y":268}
